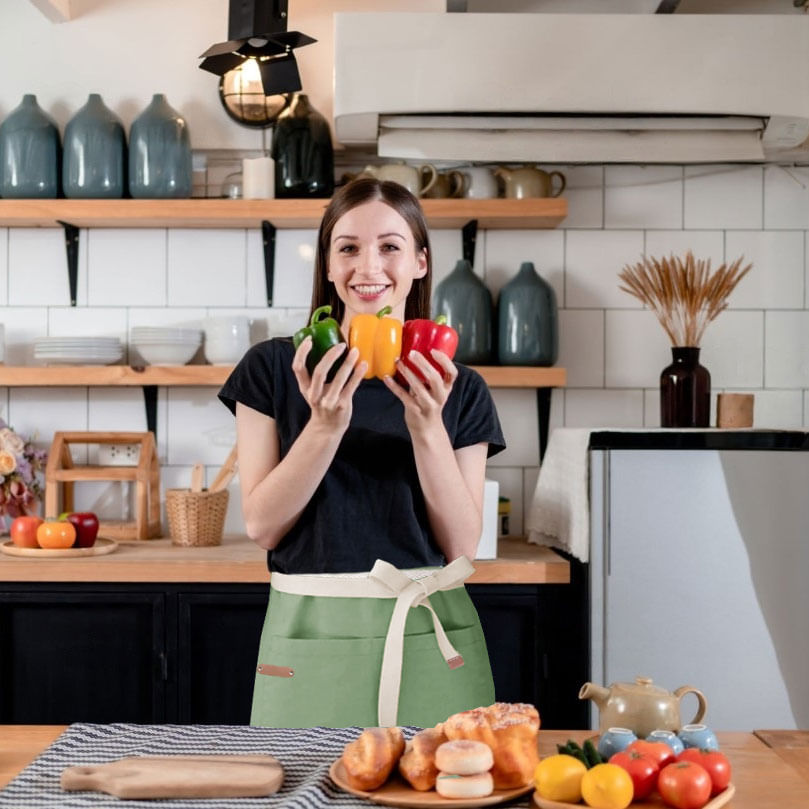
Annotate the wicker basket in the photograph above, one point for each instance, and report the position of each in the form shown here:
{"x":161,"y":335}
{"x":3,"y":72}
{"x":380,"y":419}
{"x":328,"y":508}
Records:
{"x":196,"y":518}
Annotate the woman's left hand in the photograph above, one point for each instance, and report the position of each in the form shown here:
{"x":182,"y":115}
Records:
{"x":424,"y":401}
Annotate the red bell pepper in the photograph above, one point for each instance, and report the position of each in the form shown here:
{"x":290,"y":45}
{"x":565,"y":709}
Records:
{"x":422,"y":336}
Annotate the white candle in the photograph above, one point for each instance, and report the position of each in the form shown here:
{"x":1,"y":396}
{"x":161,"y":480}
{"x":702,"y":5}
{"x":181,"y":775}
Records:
{"x":258,"y":178}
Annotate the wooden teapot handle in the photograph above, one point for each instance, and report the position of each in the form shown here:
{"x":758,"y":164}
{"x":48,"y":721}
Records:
{"x":703,"y":703}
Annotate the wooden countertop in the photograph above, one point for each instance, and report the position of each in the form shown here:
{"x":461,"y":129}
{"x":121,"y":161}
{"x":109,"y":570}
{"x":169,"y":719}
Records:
{"x":238,"y":560}
{"x":763,"y":778}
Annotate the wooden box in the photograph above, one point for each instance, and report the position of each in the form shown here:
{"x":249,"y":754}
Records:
{"x":61,"y":475}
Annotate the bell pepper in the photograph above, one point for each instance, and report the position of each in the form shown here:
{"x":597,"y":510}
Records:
{"x":422,"y":336}
{"x":325,"y":333}
{"x":379,"y":341}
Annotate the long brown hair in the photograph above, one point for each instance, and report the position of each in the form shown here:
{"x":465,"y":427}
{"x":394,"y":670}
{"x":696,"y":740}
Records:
{"x":358,"y":192}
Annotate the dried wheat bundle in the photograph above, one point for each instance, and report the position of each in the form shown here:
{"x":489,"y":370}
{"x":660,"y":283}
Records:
{"x":684,"y":294}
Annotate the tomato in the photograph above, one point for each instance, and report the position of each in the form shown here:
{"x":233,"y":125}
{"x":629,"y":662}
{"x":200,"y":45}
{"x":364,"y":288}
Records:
{"x":558,"y":778}
{"x":684,"y":785}
{"x":642,"y":770}
{"x":659,"y":751}
{"x":23,"y":531}
{"x":56,"y":534}
{"x":607,"y":786}
{"x":715,"y":762}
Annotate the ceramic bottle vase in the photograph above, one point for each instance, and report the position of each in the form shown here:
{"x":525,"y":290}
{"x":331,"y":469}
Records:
{"x":685,"y":390}
{"x":303,"y":152}
{"x":159,"y":153}
{"x":30,"y":153}
{"x":527,"y":320}
{"x":94,"y":153}
{"x":467,"y":304}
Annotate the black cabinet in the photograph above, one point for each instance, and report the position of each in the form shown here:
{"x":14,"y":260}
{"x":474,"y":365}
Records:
{"x":186,"y":653}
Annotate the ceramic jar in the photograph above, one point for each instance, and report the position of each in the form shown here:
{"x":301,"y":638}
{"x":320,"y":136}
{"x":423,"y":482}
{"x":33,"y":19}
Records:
{"x":303,"y":152}
{"x":160,"y":153}
{"x":528,"y":322}
{"x":467,"y":304}
{"x":30,"y":153}
{"x":94,"y":153}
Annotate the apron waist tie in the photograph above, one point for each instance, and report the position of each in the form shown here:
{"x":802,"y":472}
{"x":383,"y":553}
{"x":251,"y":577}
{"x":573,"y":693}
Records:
{"x":387,"y":581}
{"x":412,"y":593}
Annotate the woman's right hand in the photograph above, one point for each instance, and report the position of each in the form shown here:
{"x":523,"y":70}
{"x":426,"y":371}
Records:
{"x":330,"y":402}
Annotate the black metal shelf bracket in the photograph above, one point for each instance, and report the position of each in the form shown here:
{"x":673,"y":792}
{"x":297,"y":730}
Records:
{"x":72,"y":247}
{"x":469,"y":234}
{"x":150,"y":401}
{"x":268,"y":238}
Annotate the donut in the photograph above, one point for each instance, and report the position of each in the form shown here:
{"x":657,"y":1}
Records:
{"x":463,"y":757}
{"x":479,"y":785}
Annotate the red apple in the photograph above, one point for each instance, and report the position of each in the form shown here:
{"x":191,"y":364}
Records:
{"x":86,"y":524}
{"x":23,"y":531}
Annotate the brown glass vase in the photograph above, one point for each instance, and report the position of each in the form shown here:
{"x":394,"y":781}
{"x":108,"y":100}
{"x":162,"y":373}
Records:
{"x":685,"y":390}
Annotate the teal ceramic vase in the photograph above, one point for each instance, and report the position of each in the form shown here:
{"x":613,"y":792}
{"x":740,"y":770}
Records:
{"x":528,"y":321}
{"x":94,"y":153}
{"x":303,"y":152}
{"x":467,"y":304}
{"x":30,"y":153}
{"x":159,"y":153}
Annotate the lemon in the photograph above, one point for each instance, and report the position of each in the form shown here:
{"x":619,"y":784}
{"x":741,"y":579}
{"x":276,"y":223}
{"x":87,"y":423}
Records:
{"x":607,"y":786}
{"x":559,"y":777}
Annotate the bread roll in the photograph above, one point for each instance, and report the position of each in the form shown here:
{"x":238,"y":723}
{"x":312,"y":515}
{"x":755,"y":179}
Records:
{"x":370,"y":758}
{"x":417,"y":765}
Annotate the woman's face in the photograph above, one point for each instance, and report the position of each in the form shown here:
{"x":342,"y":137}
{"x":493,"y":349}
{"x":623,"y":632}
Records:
{"x":373,"y":260}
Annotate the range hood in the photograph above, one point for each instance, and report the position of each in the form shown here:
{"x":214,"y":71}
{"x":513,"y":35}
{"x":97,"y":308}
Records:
{"x":574,"y":88}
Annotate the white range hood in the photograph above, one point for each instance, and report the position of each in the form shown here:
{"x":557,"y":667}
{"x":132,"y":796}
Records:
{"x":574,"y":88}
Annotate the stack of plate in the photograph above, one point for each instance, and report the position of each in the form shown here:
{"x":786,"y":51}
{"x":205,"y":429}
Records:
{"x":78,"y":350}
{"x":165,"y":345}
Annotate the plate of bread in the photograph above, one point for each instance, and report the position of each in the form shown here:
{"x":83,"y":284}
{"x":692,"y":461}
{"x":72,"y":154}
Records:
{"x":480,"y":757}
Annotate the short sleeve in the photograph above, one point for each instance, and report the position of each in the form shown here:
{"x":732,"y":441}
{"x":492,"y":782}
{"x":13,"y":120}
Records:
{"x":254,"y":380}
{"x":475,"y":414}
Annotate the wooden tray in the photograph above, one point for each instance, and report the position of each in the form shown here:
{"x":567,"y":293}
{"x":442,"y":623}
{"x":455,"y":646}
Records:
{"x":102,"y":546}
{"x":396,"y":792}
{"x":654,"y":801}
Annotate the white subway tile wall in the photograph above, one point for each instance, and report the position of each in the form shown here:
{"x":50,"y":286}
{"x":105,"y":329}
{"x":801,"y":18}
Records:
{"x":612,"y":347}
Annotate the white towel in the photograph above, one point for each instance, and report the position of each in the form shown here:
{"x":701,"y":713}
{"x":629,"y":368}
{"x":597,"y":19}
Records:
{"x":559,"y":515}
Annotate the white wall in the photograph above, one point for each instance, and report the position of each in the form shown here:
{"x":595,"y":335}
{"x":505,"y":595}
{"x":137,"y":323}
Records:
{"x":613,"y":350}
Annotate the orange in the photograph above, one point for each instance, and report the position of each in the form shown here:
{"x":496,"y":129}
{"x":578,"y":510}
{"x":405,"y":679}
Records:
{"x":56,"y":534}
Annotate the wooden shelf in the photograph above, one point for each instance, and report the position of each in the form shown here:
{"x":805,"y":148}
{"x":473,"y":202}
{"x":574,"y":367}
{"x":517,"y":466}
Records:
{"x":496,"y":376}
{"x":244,"y":213}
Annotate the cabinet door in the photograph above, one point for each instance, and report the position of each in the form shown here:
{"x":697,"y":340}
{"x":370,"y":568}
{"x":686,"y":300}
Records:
{"x":217,"y":649}
{"x":81,"y":657}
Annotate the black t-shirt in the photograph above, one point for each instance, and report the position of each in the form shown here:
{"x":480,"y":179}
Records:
{"x":370,"y":504}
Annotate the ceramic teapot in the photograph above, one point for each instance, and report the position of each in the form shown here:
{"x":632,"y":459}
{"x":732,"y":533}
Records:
{"x":641,"y":706}
{"x":417,"y":180}
{"x":528,"y":181}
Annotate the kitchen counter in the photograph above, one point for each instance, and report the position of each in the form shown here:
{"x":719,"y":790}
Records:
{"x":238,"y":560}
{"x":700,"y":439}
{"x":763,"y":777}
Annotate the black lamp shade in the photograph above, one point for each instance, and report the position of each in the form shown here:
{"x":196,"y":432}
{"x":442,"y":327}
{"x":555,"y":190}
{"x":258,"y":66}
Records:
{"x":280,"y":75}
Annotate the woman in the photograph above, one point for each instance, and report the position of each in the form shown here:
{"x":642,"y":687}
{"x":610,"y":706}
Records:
{"x":375,"y":488}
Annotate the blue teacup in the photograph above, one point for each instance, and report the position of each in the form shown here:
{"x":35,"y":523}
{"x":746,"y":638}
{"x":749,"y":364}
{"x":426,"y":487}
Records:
{"x":668,"y":737}
{"x":700,"y":736}
{"x":614,"y":740}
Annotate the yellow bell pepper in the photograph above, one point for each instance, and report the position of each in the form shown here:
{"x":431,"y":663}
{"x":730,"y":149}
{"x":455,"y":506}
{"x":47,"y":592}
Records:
{"x":379,"y":341}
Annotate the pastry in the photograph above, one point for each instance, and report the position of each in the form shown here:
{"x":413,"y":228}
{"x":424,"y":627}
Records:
{"x":370,"y":758}
{"x":511,"y":729}
{"x":478,"y":785}
{"x":417,"y":765}
{"x":464,"y":757}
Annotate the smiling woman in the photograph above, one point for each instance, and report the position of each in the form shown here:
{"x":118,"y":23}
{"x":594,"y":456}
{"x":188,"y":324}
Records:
{"x":366,"y":492}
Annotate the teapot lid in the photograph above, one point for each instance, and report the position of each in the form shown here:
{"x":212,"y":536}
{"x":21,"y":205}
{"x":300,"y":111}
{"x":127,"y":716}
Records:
{"x":645,"y":685}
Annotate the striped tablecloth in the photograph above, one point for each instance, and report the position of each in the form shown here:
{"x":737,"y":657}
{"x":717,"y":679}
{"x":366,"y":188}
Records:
{"x":305,"y":755}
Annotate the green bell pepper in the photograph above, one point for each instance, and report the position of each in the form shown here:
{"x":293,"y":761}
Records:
{"x":325,"y":333}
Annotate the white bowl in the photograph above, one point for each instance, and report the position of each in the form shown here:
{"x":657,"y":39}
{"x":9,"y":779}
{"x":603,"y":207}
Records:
{"x":166,"y":353}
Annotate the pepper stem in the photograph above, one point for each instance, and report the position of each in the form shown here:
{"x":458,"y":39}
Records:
{"x":441,"y":320}
{"x":385,"y":310}
{"x":321,"y":310}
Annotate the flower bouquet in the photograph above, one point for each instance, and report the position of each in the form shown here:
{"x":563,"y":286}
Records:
{"x":20,"y":463}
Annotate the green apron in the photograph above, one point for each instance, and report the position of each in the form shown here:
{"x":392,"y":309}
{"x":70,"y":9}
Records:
{"x":384,"y":648}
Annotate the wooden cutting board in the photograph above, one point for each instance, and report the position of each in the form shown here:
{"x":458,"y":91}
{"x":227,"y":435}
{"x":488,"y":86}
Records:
{"x":179,"y":777}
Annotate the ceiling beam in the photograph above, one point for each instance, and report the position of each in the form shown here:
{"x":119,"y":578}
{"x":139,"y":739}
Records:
{"x":54,"y":10}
